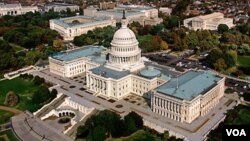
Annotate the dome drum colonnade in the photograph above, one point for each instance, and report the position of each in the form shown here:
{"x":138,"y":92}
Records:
{"x":124,"y":47}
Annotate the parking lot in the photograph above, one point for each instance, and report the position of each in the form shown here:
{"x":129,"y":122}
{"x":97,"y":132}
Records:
{"x":238,"y":86}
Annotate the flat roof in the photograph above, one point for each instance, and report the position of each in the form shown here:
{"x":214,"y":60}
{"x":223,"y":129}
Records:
{"x":150,"y":72}
{"x":14,"y":5}
{"x":109,"y":73}
{"x":137,"y":7}
{"x":119,"y":13}
{"x":60,"y":4}
{"x":92,"y":21}
{"x":189,"y":85}
{"x":92,"y":52}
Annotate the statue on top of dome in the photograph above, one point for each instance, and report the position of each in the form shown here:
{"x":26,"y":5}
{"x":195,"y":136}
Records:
{"x":124,"y":20}
{"x":123,"y":17}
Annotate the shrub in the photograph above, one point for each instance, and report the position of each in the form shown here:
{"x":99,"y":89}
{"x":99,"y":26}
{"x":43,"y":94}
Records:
{"x":38,"y":80}
{"x":11,"y":99}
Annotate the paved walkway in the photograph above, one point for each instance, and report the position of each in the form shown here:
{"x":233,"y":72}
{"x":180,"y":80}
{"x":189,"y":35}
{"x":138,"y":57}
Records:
{"x":30,"y":128}
{"x":196,"y":131}
{"x":5,"y":126}
{"x":12,"y":110}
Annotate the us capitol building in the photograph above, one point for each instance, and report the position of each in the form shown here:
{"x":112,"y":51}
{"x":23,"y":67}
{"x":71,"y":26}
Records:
{"x":120,"y":71}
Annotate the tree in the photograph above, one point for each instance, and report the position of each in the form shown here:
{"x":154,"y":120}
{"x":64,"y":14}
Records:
{"x":88,"y":41}
{"x":165,"y":136}
{"x":230,"y":58}
{"x":133,"y":122}
{"x":82,"y":132}
{"x":191,"y":40}
{"x":38,"y":80}
{"x":58,"y":43}
{"x":54,"y":92}
{"x":220,"y":64}
{"x":41,"y":95}
{"x":11,"y":99}
{"x":130,"y":124}
{"x":98,"y":134}
{"x":156,"y":29}
{"x":244,"y":28}
{"x":79,"y":40}
{"x":203,"y":35}
{"x":213,"y":56}
{"x":163,"y":45}
{"x":145,"y":30}
{"x":228,"y":38}
{"x":179,"y":44}
{"x":137,"y":118}
{"x":222,"y":28}
{"x":171,"y":22}
{"x":181,"y":7}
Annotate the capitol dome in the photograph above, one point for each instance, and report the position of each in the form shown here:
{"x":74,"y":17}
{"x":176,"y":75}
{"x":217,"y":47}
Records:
{"x":124,"y":53}
{"x":124,"y":36}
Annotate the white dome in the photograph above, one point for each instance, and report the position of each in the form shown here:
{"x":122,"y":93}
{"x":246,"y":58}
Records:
{"x":124,"y":33}
{"x":125,"y":53}
{"x":124,"y":36}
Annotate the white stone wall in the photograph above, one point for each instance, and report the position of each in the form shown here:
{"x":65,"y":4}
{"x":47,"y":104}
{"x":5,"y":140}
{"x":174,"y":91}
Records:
{"x":117,"y":89}
{"x":71,"y":68}
{"x":212,"y":97}
{"x":141,"y":86}
{"x":208,"y":22}
{"x":68,"y":33}
{"x":60,"y":8}
{"x":57,"y":67}
{"x":187,"y":111}
{"x":16,"y":9}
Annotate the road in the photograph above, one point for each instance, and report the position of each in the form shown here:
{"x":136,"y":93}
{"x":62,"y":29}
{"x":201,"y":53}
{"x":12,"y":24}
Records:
{"x":12,"y":110}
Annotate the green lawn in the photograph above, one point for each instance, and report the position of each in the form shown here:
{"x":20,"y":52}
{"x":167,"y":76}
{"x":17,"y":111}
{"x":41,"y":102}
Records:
{"x":23,"y":88}
{"x":144,"y":38}
{"x":11,"y":136}
{"x":5,"y":116}
{"x":243,"y":60}
{"x":139,"y":135}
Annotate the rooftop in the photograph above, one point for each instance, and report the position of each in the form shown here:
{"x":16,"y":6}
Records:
{"x":109,"y":73}
{"x":77,"y":21}
{"x":137,"y":7}
{"x":211,"y":16}
{"x":15,"y":5}
{"x":189,"y":85}
{"x":92,"y":52}
{"x":150,"y":72}
{"x":119,"y":13}
{"x":60,"y":4}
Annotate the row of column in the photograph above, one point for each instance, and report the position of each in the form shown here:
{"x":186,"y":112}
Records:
{"x":97,"y":85}
{"x":122,"y":49}
{"x":78,"y":106}
{"x":168,"y":105}
{"x":168,"y":115}
{"x":125,"y":60}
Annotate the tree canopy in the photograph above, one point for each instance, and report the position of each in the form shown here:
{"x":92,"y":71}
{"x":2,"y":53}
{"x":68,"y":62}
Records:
{"x":106,"y":124}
